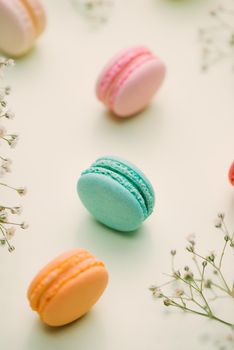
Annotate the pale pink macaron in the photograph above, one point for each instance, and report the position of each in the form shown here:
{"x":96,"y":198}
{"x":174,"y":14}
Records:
{"x":231,"y":173}
{"x":129,"y":81}
{"x":21,"y":22}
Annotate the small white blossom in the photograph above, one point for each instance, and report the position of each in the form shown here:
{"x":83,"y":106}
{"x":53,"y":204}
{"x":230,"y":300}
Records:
{"x":13,"y":141}
{"x":188,"y":275}
{"x":17,"y":210}
{"x":10,"y":232}
{"x":22,"y":191}
{"x":3,"y":216}
{"x":191,"y":237}
{"x":11,"y":248}
{"x":9,"y":114}
{"x":2,"y":131}
{"x":157,"y":292}
{"x":24,"y":225}
{"x":6,"y":165}
{"x":7,"y":90}
{"x":10,"y":62}
{"x":178,"y":293}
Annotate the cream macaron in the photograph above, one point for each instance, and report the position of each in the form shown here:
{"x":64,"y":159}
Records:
{"x":67,"y":287}
{"x":21,"y":22}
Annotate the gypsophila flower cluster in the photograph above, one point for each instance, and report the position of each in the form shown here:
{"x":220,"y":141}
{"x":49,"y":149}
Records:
{"x":217,"y":39}
{"x":96,"y":11}
{"x":194,"y":288}
{"x":7,"y":213}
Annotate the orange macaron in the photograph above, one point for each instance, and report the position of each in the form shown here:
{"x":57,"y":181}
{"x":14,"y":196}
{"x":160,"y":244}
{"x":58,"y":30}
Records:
{"x":67,"y":287}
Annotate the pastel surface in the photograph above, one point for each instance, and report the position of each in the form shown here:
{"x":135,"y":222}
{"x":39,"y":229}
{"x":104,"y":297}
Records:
{"x":129,"y":81}
{"x":116,"y":193}
{"x":21,"y":22}
{"x":67,"y":287}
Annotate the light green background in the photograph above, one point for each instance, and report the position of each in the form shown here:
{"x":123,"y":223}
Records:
{"x":183,"y":142}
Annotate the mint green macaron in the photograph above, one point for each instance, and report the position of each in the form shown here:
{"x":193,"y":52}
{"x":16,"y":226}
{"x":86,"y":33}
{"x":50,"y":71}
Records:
{"x":116,"y":193}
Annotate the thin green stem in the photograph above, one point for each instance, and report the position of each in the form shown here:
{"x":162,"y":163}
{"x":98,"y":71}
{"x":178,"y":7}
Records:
{"x":203,"y":297}
{"x":5,"y":238}
{"x":225,"y":244}
{"x":11,"y":223}
{"x":202,"y":277}
{"x":166,"y":284}
{"x":212,"y":317}
{"x":219,"y":287}
{"x":222,"y":321}
{"x":218,"y":270}
{"x":189,"y":284}
{"x":197,"y":265}
{"x":5,"y":185}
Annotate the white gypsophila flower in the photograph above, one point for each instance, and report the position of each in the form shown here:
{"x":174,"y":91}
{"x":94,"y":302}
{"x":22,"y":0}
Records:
{"x":7,"y":90}
{"x":10,"y":232}
{"x":218,"y":222}
{"x":10,"y":62}
{"x":9,"y":114}
{"x":3,"y":216}
{"x":22,"y":191}
{"x":17,"y":210}
{"x":24,"y":225}
{"x":6,"y":165}
{"x":178,"y":293}
{"x":2,"y":131}
{"x":13,"y":141}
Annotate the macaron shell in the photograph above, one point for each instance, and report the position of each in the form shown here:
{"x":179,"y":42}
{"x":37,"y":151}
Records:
{"x":16,"y":28}
{"x":37,"y":13}
{"x":109,"y":202}
{"x":231,"y":174}
{"x":75,"y":297}
{"x":131,"y":172}
{"x":51,"y":272}
{"x":115,"y":66}
{"x":134,"y":167}
{"x":138,"y":88}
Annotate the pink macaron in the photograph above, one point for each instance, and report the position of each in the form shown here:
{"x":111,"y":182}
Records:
{"x":231,"y":174}
{"x":129,"y":81}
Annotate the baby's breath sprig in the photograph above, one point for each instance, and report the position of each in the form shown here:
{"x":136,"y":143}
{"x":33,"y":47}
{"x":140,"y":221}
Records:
{"x":217,"y":40}
{"x":8,"y":224}
{"x":96,"y":11}
{"x":194,"y":289}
